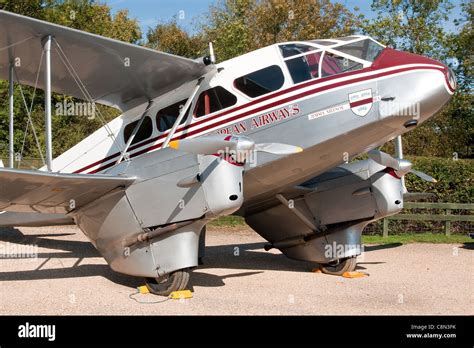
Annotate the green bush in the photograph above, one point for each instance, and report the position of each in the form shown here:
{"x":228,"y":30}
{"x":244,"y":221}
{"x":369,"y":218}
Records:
{"x":455,"y":185}
{"x":455,"y":178}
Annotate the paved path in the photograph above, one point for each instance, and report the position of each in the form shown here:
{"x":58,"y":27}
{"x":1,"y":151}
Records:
{"x":69,"y":277}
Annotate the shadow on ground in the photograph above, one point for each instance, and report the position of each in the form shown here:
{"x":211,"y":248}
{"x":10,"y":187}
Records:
{"x":381,"y":246}
{"x":249,"y":257}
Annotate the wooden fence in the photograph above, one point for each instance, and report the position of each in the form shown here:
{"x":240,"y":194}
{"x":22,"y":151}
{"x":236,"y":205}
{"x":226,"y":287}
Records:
{"x":446,"y":217}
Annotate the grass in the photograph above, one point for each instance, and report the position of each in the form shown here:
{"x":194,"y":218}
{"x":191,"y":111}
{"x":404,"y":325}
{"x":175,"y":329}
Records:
{"x":417,"y":238}
{"x":233,"y":221}
{"x":230,"y":220}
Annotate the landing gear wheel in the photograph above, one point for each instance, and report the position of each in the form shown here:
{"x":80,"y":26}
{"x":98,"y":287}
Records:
{"x":339,"y":268}
{"x":168,"y":283}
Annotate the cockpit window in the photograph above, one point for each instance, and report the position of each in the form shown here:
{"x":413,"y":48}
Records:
{"x":363,"y":49}
{"x":144,"y":132}
{"x":333,"y":64}
{"x":324,"y":42}
{"x":346,"y":38}
{"x":166,"y":117}
{"x":292,"y":49}
{"x":260,"y":82}
{"x":305,"y":67}
{"x":212,"y":100}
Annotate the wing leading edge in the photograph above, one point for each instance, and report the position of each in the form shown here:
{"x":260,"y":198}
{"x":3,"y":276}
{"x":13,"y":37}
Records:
{"x":43,"y":192}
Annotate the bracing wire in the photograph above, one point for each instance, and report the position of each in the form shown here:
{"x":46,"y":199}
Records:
{"x":85,"y":92}
{"x":28,"y":113}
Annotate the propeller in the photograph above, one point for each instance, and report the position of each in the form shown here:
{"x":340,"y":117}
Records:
{"x":400,"y":166}
{"x":423,"y":176}
{"x":240,"y":146}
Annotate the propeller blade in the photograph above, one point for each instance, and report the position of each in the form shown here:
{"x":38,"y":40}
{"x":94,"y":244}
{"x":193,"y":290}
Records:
{"x":384,"y":159}
{"x":240,"y":144}
{"x":202,"y":146}
{"x":277,"y":148}
{"x":423,"y":176}
{"x":402,"y":167}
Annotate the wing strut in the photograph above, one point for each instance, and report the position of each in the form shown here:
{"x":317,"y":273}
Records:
{"x":399,"y":154}
{"x":183,"y":111}
{"x":10,"y":113}
{"x":134,"y":133}
{"x":47,"y":102}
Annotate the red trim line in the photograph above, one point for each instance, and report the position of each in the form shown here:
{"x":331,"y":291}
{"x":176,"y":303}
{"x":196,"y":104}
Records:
{"x":253,"y":111}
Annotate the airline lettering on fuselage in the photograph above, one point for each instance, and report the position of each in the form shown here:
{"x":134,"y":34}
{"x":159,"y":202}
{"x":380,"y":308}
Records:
{"x":237,"y":128}
{"x":263,"y":120}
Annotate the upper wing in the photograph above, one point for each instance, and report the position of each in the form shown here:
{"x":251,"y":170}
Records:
{"x":36,"y":191}
{"x":115,"y":73}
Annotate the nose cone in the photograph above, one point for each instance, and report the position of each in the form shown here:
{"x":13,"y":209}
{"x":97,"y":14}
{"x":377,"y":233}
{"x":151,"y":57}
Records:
{"x":451,"y":78}
{"x":420,"y":87}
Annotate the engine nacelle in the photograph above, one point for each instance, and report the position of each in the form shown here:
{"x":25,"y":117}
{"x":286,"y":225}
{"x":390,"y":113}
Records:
{"x":222,"y":185}
{"x":339,"y":204}
{"x":139,"y":236}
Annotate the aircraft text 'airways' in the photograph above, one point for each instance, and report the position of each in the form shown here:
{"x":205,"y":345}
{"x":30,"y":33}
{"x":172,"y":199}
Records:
{"x":261,"y":120}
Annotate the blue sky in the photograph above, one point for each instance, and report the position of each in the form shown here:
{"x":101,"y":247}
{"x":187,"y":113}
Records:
{"x":151,"y":12}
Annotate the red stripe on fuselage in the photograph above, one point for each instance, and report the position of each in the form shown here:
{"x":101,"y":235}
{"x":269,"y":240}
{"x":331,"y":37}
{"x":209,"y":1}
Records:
{"x":253,"y":111}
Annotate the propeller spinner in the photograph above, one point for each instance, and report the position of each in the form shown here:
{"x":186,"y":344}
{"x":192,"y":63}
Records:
{"x":400,"y":166}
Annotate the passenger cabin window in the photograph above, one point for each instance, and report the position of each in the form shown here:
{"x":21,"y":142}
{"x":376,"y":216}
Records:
{"x":364,"y":49}
{"x":333,"y":64}
{"x":305,"y":67}
{"x":260,"y":82}
{"x":166,"y":117}
{"x":212,"y":100}
{"x":144,"y":132}
{"x":288,"y":50}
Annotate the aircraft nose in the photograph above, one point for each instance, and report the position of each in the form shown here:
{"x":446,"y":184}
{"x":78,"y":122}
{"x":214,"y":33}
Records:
{"x":419,"y":90}
{"x":436,"y":89}
{"x":451,"y":77}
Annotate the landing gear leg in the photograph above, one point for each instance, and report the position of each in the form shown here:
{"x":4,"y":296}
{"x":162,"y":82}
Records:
{"x":202,"y":246}
{"x":168,"y":283}
{"x":340,"y":266}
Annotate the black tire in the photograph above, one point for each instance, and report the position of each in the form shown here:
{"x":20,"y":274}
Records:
{"x":344,"y":265}
{"x":168,"y":283}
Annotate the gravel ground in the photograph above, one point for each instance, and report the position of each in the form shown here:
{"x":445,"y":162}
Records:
{"x":69,"y":277}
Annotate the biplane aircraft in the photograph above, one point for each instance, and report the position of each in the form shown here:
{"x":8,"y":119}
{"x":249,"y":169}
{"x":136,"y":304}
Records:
{"x":268,"y":135}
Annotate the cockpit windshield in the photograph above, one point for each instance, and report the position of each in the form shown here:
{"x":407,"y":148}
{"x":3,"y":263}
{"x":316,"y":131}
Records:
{"x":365,"y":49}
{"x":326,"y":57}
{"x":292,"y":49}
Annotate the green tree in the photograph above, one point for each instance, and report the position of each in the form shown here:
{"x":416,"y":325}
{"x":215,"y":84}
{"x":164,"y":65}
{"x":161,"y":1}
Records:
{"x":279,"y":21}
{"x":411,"y":25}
{"x":239,"y":26}
{"x":85,"y":15}
{"x":228,"y":26}
{"x":461,"y":46}
{"x":418,"y":26}
{"x":170,"y":38}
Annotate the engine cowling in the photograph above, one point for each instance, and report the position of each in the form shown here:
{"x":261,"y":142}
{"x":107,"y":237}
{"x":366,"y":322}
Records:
{"x":339,"y":204}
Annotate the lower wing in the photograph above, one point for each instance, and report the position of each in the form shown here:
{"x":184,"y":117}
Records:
{"x":44,"y":192}
{"x":9,"y":218}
